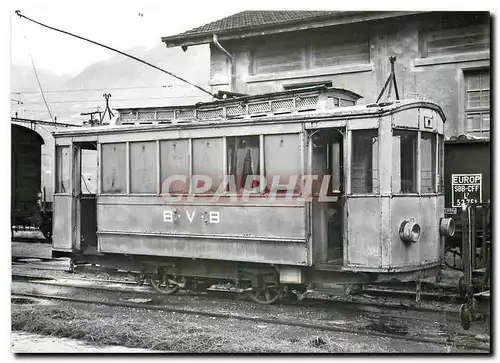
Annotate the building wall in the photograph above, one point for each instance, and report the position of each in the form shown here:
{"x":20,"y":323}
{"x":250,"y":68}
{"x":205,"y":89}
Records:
{"x":437,"y":75}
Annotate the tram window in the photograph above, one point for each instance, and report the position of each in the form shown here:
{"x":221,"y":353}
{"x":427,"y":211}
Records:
{"x":143,"y":168}
{"x":88,"y":171}
{"x":404,"y":162}
{"x":336,"y":167}
{"x":364,"y":173}
{"x":62,"y":169}
{"x":114,"y":168}
{"x":174,"y":167}
{"x":440,"y":187}
{"x":243,"y":160}
{"x":207,"y":162}
{"x":428,"y":163}
{"x":282,"y":160}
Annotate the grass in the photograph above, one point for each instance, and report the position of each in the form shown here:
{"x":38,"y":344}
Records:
{"x":162,"y":331}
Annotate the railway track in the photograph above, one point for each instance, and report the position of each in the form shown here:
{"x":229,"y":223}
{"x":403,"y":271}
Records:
{"x":313,"y":301}
{"x":395,"y":299}
{"x":370,"y":323}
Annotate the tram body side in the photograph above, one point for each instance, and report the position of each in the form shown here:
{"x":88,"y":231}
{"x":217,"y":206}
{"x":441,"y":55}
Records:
{"x":135,"y":217}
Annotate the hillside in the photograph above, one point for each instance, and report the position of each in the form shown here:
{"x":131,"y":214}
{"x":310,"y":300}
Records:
{"x":129,"y":82}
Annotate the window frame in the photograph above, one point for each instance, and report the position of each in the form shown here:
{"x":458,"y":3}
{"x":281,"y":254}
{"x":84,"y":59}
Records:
{"x":129,"y":164}
{"x":351,"y":161}
{"x":433,"y":26}
{"x":481,"y":110}
{"x":224,"y":164}
{"x":434,"y":153}
{"x":227,"y":164}
{"x":417,"y":165}
{"x":100,"y":189}
{"x":189,"y":167}
{"x":222,"y":160}
{"x":440,"y":163}
{"x":58,"y":163}
{"x":264,"y":172}
{"x":307,"y":46}
{"x":438,"y":166}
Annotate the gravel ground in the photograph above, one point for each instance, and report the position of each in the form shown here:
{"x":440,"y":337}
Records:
{"x":170,"y":331}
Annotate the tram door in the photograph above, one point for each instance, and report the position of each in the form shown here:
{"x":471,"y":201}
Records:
{"x":86,"y":208}
{"x":327,"y":162}
{"x":75,"y":217}
{"x":63,"y":238}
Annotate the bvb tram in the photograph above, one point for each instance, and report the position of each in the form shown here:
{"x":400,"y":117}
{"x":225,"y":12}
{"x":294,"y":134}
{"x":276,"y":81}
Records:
{"x":286,"y":191}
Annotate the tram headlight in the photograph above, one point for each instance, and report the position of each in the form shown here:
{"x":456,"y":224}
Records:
{"x":409,"y":231}
{"x":447,"y":227}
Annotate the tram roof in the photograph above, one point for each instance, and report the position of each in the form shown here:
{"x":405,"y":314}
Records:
{"x":350,"y":112}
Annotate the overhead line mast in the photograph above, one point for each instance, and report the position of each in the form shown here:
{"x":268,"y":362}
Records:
{"x":18,"y":12}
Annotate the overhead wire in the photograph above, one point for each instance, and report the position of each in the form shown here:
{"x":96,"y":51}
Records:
{"x":103,"y":89}
{"x":118,"y":99}
{"x":18,"y":12}
{"x":37,"y":78}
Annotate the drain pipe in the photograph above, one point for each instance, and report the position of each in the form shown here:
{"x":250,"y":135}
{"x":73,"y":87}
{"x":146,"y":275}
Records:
{"x":232,"y":63}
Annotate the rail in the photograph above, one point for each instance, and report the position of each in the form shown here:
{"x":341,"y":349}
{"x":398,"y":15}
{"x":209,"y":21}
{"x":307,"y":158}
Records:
{"x":125,"y":297}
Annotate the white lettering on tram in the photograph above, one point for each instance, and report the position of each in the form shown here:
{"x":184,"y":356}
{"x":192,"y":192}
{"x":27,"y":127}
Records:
{"x":190,"y":217}
{"x":170,"y":216}
{"x":213,"y":217}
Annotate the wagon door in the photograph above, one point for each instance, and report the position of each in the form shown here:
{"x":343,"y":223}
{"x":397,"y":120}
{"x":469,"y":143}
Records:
{"x":63,"y":219}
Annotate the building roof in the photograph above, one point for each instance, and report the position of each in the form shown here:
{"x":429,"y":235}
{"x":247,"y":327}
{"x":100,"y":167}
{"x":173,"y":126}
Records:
{"x":255,"y":23}
{"x":252,"y":19}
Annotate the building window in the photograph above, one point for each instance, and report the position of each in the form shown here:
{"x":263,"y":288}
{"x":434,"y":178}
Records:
{"x":340,"y":49}
{"x":114,"y":168}
{"x":455,"y":33}
{"x":364,"y":173}
{"x":404,"y":162}
{"x":280,"y":57}
{"x":243,"y":161}
{"x":293,"y":52}
{"x":477,"y":102}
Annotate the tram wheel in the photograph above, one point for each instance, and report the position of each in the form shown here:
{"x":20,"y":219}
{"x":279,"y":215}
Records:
{"x":266,"y":294}
{"x":465,"y":316}
{"x":162,"y":285}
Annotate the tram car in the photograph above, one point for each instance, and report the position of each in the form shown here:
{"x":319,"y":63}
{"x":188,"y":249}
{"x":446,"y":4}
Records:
{"x":287,"y":191}
{"x":31,"y":220}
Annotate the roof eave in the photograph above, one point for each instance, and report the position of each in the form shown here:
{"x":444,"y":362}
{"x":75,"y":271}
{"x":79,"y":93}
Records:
{"x":333,"y":20}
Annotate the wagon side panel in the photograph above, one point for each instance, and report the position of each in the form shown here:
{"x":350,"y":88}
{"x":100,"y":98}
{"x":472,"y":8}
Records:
{"x":364,"y":248}
{"x":256,"y":233}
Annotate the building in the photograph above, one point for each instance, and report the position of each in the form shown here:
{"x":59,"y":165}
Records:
{"x":442,"y":56}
